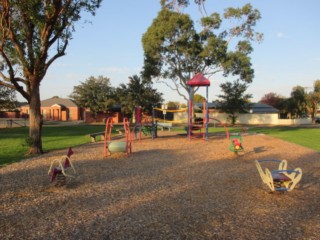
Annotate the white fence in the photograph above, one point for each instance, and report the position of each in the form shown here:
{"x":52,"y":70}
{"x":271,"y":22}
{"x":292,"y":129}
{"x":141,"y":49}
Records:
{"x":248,"y":119}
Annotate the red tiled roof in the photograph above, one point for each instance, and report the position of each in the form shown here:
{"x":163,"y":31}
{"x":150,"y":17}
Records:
{"x":59,"y":101}
{"x":198,"y":80}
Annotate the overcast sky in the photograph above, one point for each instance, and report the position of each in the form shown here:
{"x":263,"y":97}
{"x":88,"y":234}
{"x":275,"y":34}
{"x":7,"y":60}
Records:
{"x":111,"y":46}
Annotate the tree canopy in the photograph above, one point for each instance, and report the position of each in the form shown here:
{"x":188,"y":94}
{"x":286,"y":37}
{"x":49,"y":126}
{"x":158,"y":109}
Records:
{"x":233,"y":99}
{"x":197,"y":98}
{"x":174,"y":50}
{"x":138,"y":92}
{"x":33,"y":34}
{"x":313,"y":99}
{"x":272,"y":99}
{"x":28,"y":30}
{"x":175,"y":3}
{"x":299,"y":101}
{"x":8,"y":99}
{"x":97,"y":94}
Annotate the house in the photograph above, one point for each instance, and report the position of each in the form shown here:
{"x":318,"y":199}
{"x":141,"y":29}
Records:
{"x":258,"y":108}
{"x":258,"y":113}
{"x":261,"y":108}
{"x":59,"y":109}
{"x":64,"y":109}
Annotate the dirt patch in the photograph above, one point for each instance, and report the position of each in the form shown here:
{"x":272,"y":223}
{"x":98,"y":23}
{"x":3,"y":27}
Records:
{"x":169,"y":188}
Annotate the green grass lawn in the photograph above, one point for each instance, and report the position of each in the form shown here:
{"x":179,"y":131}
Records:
{"x":308,"y":137}
{"x":13,"y":146}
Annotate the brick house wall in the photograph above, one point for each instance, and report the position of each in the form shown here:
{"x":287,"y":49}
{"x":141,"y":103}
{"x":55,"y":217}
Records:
{"x":57,"y":109}
{"x":4,"y":114}
{"x":62,"y":109}
{"x":116,"y":116}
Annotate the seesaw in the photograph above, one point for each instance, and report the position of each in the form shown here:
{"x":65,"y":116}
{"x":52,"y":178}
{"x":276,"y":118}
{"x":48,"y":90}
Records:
{"x":117,"y":146}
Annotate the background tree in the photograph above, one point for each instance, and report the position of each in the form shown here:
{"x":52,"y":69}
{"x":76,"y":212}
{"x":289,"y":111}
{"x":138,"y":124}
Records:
{"x":97,"y":94}
{"x":174,"y":4}
{"x":33,"y":34}
{"x":8,"y":99}
{"x":313,"y":99}
{"x":272,"y":99}
{"x":183,"y":105}
{"x":198,"y":98}
{"x":234,"y":100}
{"x":299,"y":101}
{"x":277,"y":101}
{"x":173,"y":105}
{"x":175,"y":51}
{"x":138,"y":92}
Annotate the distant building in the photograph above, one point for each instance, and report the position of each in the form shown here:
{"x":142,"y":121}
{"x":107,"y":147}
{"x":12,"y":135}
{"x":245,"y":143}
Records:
{"x":258,"y":108}
{"x":64,"y":109}
{"x":58,"y":109}
{"x":262,"y":108}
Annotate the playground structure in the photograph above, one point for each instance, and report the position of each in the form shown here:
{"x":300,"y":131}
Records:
{"x":192,"y":125}
{"x":198,"y":81}
{"x":197,"y":125}
{"x":58,"y":169}
{"x":161,"y":119}
{"x":142,"y":124}
{"x":280,"y":180}
{"x":117,"y":146}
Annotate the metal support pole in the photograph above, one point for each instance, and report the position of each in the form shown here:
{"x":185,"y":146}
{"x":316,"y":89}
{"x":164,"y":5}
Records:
{"x":154,"y":125}
{"x":190,"y":113}
{"x":207,"y":113}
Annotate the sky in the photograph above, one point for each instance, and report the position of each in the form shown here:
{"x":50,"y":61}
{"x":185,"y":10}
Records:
{"x":110,"y":46}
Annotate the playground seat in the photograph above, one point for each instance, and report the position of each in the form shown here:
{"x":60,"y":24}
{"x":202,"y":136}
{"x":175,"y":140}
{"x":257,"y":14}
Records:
{"x":58,"y":168}
{"x":236,"y":144}
{"x":117,"y":146}
{"x":280,"y":180}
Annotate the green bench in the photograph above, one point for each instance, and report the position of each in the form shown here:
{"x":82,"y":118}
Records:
{"x":94,"y":135}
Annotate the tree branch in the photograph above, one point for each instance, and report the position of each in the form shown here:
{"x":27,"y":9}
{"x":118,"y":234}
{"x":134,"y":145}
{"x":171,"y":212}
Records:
{"x":56,"y":56}
{"x":11,"y":35}
{"x":176,"y":88}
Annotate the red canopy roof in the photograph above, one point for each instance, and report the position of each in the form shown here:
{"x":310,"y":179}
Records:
{"x":198,"y":80}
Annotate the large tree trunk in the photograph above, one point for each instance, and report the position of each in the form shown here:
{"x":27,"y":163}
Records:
{"x":35,"y":119}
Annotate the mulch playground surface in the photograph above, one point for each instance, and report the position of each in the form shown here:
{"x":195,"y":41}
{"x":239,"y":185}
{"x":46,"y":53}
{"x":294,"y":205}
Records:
{"x":169,"y":188}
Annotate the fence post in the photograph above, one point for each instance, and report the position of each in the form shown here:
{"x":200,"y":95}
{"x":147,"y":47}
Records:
{"x":9,"y":123}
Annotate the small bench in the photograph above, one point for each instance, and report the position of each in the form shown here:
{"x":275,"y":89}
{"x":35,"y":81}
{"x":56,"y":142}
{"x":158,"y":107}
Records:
{"x":165,"y":126}
{"x":94,"y":135}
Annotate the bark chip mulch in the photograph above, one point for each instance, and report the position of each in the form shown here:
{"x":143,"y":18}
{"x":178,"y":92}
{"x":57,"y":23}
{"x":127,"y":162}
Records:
{"x":169,"y":188}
